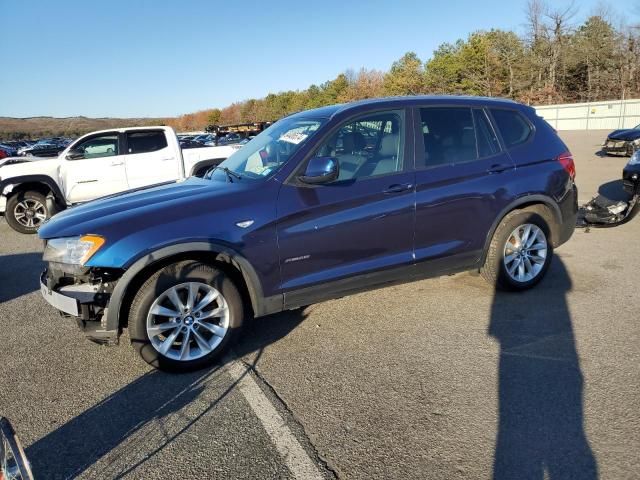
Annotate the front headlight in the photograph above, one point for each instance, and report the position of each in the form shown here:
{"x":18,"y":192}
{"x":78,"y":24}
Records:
{"x":635,"y":158}
{"x":72,"y":250}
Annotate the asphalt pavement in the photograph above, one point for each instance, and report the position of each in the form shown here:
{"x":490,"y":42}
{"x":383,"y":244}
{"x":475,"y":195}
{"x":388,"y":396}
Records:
{"x":436,"y":379}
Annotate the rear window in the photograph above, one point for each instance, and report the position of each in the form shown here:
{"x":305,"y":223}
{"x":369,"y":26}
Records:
{"x":512,"y":125}
{"x":144,"y":142}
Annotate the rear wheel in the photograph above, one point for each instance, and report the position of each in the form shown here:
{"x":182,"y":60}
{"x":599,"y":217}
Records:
{"x":26,"y":211}
{"x":520,"y":251}
{"x":185,"y":316}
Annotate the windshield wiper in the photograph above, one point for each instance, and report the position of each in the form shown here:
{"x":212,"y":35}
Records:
{"x":230,"y":173}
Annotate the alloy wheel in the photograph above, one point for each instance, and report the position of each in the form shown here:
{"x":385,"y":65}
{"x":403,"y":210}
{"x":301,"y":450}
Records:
{"x":525,"y":253}
{"x":188,"y":321}
{"x":30,"y":213}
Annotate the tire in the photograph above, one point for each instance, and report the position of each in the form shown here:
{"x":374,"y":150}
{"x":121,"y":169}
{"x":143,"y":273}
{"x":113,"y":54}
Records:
{"x":506,"y":273}
{"x":151,"y":325}
{"x":26,"y":211}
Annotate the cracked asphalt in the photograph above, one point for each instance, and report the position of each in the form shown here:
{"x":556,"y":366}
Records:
{"x":440,"y":378}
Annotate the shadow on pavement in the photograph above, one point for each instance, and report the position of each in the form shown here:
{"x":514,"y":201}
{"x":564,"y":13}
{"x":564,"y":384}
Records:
{"x":155,"y":397}
{"x":540,"y":432}
{"x":19,"y":273}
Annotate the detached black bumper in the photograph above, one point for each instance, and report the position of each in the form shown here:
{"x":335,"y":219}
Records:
{"x":85,"y":302}
{"x":618,"y":147}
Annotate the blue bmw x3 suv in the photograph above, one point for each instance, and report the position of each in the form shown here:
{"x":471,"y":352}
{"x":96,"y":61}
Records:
{"x":322,"y":204}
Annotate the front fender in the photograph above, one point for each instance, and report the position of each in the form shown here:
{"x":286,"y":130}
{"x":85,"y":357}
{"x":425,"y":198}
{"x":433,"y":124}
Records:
{"x":12,"y":182}
{"x":261,"y":305}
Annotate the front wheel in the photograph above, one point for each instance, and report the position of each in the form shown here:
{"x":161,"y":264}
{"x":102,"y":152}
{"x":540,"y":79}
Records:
{"x":26,"y":211}
{"x":185,"y":316}
{"x":520,"y":252}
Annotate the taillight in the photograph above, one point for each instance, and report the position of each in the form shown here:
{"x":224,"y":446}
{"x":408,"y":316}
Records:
{"x":566,"y":160}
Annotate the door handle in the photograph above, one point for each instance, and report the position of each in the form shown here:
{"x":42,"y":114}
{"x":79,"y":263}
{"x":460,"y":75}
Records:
{"x":398,"y":188}
{"x":498,"y":168}
{"x":167,"y":159}
{"x":116,"y":163}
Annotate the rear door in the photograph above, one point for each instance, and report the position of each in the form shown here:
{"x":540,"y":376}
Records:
{"x":351,"y":232}
{"x":94,"y":168}
{"x":462,"y":183}
{"x":149,"y":158}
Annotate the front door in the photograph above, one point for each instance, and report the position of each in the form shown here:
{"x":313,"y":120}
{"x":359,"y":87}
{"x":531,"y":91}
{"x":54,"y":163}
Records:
{"x":94,"y":168}
{"x":353,"y":231}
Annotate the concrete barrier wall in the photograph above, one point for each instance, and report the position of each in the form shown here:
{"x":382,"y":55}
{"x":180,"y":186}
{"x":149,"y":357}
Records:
{"x":609,"y":115}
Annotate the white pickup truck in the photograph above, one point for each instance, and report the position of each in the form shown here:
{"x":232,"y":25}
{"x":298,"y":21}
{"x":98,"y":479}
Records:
{"x":100,"y":163}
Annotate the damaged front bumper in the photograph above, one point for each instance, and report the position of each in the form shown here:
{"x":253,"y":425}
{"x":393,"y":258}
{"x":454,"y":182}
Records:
{"x":618,"y":147}
{"x":83,"y":296}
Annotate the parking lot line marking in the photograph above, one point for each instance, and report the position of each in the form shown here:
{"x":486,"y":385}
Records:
{"x":295,"y":457}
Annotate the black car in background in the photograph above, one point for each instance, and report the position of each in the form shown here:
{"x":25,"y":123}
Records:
{"x":622,"y":142}
{"x":43,"y":150}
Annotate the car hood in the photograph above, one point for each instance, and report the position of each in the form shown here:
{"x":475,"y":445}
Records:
{"x":149,"y":208}
{"x":18,"y":166}
{"x":15,"y":160}
{"x":628,"y":134}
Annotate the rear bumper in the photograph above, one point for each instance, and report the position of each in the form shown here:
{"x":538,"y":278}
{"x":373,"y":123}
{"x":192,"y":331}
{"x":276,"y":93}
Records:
{"x":569,"y":210}
{"x":82,"y":301}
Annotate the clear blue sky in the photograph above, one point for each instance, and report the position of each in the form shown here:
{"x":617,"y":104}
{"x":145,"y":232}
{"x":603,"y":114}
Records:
{"x":163,"y":58}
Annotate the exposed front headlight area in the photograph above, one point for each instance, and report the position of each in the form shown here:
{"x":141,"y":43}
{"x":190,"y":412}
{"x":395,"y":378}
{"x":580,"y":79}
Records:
{"x":76,"y":289}
{"x":74,"y":251}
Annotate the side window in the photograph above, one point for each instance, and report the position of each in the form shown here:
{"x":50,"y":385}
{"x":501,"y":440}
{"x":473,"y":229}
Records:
{"x":512,"y":126}
{"x":369,"y":146}
{"x":144,"y":142}
{"x":448,"y":135}
{"x":96,"y":147}
{"x":487,"y":142}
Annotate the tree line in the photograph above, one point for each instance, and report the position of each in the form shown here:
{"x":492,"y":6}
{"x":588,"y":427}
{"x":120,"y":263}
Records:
{"x":555,"y":61}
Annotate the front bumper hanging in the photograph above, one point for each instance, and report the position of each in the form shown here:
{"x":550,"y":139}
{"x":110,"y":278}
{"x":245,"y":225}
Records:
{"x":85,"y":302}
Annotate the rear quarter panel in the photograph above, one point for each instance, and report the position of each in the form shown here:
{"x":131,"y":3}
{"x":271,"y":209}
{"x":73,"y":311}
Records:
{"x":538,"y":171}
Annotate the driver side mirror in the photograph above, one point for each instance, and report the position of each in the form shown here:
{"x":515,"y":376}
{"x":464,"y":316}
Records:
{"x":75,"y":155}
{"x":320,"y":170}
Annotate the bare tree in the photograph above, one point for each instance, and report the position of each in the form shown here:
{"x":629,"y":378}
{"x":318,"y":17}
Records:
{"x":559,"y":27}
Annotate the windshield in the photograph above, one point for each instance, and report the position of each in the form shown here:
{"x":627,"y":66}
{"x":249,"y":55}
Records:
{"x":267,"y":152}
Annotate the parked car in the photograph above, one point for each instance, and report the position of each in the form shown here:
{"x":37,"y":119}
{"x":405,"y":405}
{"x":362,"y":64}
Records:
{"x":42,"y":150}
{"x":302,"y":214}
{"x":206,"y":138}
{"x":230,"y":139}
{"x":16,"y":144}
{"x":7,"y":151}
{"x":190,"y":144}
{"x":97,"y":164}
{"x":622,"y":142}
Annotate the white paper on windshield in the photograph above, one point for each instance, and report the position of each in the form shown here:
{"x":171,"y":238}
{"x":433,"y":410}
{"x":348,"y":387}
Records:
{"x":293,"y":137}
